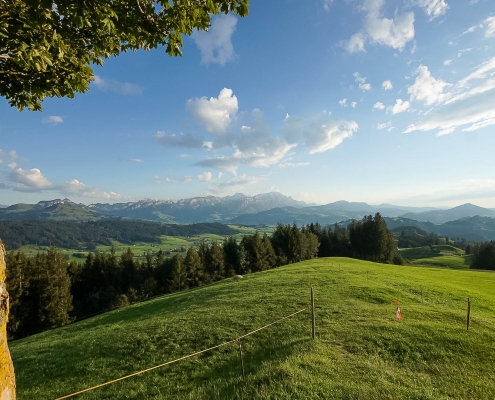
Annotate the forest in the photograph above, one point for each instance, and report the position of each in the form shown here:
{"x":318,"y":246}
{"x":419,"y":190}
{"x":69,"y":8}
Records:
{"x":87,"y":235}
{"x":483,"y":256}
{"x":47,"y":292}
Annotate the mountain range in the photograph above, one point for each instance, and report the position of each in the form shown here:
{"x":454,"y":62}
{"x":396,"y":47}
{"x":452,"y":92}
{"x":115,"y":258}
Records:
{"x":263,"y":209}
{"x":468,"y":220}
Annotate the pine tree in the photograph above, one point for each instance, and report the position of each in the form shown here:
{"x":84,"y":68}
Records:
{"x":179,"y":275}
{"x":194,"y":268}
{"x":54,"y":288}
{"x":268,"y":254}
{"x":214,"y":262}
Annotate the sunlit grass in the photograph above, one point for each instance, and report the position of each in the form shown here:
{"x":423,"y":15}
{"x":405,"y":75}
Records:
{"x":361,"y":350}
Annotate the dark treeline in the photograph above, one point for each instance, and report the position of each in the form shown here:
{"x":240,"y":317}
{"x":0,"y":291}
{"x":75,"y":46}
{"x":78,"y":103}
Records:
{"x":410,"y":236}
{"x":47,"y":292}
{"x":87,"y":235}
{"x":483,"y":256}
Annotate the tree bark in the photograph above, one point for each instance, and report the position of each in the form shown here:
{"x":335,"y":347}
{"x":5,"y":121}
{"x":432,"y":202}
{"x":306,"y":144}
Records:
{"x":7,"y":378}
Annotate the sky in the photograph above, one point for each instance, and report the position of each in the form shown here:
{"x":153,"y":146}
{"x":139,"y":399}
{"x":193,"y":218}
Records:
{"x":379,"y":101}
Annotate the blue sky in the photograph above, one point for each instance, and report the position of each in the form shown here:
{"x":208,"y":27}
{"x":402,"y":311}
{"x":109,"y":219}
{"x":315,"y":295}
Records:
{"x":360,"y":100}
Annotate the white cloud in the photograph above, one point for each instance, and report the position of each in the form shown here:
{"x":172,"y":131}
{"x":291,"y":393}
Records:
{"x":253,"y":145}
{"x":447,"y":62}
{"x":186,"y":179}
{"x":173,"y":140}
{"x":388,"y":126}
{"x":475,"y":114}
{"x":399,"y":106}
{"x":233,"y":186}
{"x":216,"y":113}
{"x":319,"y":135}
{"x":33,"y":181}
{"x":490,"y":26}
{"x":134,"y":160}
{"x":292,"y":165}
{"x":13,"y":155}
{"x":205,"y":177}
{"x":472,"y":29}
{"x":484,"y":87}
{"x":2,"y":154}
{"x":53,"y":119}
{"x":116,"y":86}
{"x":481,"y":72}
{"x":30,"y":180}
{"x":266,"y":157}
{"x":461,"y":52}
{"x":184,"y":155}
{"x":327,"y":4}
{"x":362,"y":82}
{"x":12,"y":165}
{"x":468,"y":105}
{"x":379,"y":105}
{"x":428,"y":89}
{"x":434,"y":8}
{"x":355,"y":43}
{"x":387,"y":85}
{"x":479,"y":125}
{"x":353,"y":104}
{"x":343,"y":102}
{"x":395,"y":32}
{"x":216,"y":44}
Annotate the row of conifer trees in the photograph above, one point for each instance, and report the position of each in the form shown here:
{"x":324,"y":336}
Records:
{"x":47,"y":292}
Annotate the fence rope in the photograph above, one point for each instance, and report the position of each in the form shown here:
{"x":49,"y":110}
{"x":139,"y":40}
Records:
{"x":178,"y":359}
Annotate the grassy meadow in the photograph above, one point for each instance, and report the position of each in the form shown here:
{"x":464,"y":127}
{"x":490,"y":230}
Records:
{"x":442,"y":256}
{"x":361,"y":350}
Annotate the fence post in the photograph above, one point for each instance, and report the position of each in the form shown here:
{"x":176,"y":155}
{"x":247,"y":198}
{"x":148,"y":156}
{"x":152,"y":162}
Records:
{"x":313,"y":325}
{"x":240,"y":355}
{"x":468,"y":313}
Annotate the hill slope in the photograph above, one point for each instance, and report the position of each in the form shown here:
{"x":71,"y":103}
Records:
{"x":442,"y":216}
{"x":55,"y":210}
{"x":361,"y":350}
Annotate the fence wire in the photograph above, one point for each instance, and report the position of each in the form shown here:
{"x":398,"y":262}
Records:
{"x":179,"y":359}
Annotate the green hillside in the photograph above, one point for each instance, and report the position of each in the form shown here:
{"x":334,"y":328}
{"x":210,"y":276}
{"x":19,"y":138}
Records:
{"x":437,"y":256}
{"x":361,"y":350}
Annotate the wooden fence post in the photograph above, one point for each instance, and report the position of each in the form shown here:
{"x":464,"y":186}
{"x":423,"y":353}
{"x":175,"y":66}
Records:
{"x":240,"y":355}
{"x":468,"y":313}
{"x":313,"y":325}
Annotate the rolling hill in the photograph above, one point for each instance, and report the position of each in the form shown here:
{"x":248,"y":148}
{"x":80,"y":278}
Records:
{"x":55,"y":210}
{"x":360,"y":351}
{"x":442,"y":216}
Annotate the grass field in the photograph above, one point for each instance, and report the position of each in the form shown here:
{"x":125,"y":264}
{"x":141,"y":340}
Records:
{"x":361,"y":350}
{"x":442,"y":256}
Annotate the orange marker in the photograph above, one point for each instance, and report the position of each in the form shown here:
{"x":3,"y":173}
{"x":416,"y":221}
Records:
{"x":398,"y":314}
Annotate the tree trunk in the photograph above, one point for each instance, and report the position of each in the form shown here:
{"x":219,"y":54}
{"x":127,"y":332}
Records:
{"x":7,"y":378}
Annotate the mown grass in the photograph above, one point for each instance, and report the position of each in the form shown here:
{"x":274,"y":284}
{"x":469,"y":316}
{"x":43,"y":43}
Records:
{"x":361,"y":350}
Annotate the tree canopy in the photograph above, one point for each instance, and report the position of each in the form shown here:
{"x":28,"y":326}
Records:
{"x":47,"y":46}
